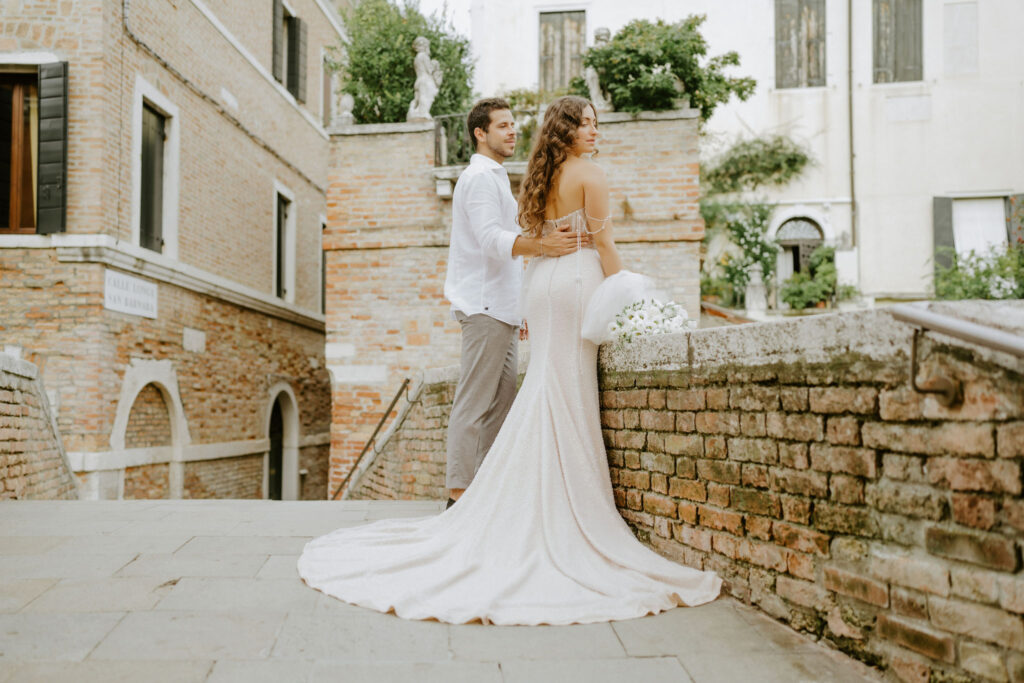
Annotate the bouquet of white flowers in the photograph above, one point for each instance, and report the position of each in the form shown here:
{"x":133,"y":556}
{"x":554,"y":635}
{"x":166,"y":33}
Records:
{"x":627,"y":306}
{"x":649,"y":317}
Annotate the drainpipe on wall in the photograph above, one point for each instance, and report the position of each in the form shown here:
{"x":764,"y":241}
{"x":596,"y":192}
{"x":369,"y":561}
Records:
{"x":849,"y":105}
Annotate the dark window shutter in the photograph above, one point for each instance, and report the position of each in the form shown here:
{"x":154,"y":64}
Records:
{"x":152,"y":190}
{"x":942,"y":227}
{"x":799,"y":43}
{"x":909,"y":63}
{"x":278,"y":50}
{"x":53,"y":147}
{"x":884,"y":27}
{"x":297,"y":30}
{"x":1015,"y":220}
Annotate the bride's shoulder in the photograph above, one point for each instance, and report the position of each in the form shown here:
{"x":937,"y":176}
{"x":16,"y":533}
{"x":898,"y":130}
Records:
{"x":585,"y":170}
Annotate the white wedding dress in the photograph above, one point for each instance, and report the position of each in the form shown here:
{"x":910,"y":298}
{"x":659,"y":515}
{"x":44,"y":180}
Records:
{"x":536,"y":538}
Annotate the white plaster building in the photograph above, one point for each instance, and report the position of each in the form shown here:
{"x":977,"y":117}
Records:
{"x":912,"y":109}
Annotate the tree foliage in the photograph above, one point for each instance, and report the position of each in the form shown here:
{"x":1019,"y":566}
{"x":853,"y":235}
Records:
{"x":749,"y":164}
{"x":376,"y":60}
{"x":646,"y":64}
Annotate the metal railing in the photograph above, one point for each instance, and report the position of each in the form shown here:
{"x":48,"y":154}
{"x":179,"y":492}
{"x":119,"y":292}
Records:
{"x":373,"y":437}
{"x":453,"y":145}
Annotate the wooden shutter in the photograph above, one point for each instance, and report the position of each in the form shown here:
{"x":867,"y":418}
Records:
{"x":152,"y":190}
{"x":799,"y":43}
{"x":884,"y":25}
{"x":53,"y":147}
{"x":812,"y":16}
{"x":297,"y":31}
{"x":277,"y":60}
{"x":562,"y":43}
{"x":909,"y":63}
{"x":942,"y":230}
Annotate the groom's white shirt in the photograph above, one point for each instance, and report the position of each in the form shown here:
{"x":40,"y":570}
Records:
{"x":483,"y":276}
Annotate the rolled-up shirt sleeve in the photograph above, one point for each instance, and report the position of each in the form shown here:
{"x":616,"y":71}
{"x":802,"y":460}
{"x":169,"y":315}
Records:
{"x":483,"y":206}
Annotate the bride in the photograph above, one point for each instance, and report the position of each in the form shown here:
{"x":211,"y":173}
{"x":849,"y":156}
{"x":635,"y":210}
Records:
{"x":536,"y":538}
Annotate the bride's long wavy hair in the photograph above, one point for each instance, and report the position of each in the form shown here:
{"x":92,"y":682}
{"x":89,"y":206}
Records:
{"x":557,"y":136}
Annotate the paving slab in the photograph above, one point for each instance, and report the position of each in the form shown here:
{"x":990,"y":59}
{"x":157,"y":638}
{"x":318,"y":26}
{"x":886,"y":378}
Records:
{"x":208,"y":591}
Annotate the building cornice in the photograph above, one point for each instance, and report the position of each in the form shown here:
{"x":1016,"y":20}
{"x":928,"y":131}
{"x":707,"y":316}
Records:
{"x":133,"y":259}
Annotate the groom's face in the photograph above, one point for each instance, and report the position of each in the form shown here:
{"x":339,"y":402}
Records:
{"x":500,"y":136}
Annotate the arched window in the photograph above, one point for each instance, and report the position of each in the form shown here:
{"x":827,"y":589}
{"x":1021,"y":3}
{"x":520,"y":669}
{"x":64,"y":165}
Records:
{"x":798,"y":237}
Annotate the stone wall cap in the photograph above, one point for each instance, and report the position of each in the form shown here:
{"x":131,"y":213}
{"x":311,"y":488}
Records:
{"x":671,"y":115}
{"x":17,"y":366}
{"x":383,"y":128}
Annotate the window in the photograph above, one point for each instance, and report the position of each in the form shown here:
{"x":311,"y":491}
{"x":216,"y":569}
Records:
{"x":326,"y":90}
{"x":563,"y":38}
{"x":284,"y":243}
{"x":978,"y":224}
{"x":799,"y":43}
{"x":154,"y":134}
{"x":323,"y":267}
{"x":289,"y":51}
{"x":33,"y":157}
{"x":897,"y":31}
{"x":798,"y":238}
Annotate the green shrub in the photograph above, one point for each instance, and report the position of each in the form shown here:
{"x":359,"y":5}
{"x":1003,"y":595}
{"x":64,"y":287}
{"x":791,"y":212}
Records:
{"x":817,"y":284}
{"x":642,"y":66}
{"x":996,"y":275}
{"x":376,"y":59}
{"x":749,"y":164}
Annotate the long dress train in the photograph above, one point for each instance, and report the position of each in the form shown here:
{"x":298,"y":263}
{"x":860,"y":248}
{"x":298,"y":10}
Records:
{"x":536,"y":538}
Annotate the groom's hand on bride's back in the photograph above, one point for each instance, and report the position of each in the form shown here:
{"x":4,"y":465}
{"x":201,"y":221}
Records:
{"x":559,"y":243}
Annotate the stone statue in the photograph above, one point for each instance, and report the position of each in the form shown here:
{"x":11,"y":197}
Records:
{"x":428,"y":80}
{"x":343,"y":114}
{"x":597,"y":95}
{"x":756,"y":299}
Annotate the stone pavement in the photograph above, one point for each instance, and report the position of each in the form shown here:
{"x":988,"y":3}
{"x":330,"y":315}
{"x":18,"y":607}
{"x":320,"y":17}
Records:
{"x":207,"y":591}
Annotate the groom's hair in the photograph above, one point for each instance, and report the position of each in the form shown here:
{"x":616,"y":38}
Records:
{"x":480,"y":114}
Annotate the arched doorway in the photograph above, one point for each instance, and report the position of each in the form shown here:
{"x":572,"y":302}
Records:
{"x":149,"y":427}
{"x":275,"y":457}
{"x":797,"y":237}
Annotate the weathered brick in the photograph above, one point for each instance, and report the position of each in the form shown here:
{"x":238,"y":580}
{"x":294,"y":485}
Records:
{"x":656,"y":399}
{"x":793,"y":399}
{"x":684,"y":444}
{"x":800,"y":539}
{"x":752,"y":424}
{"x":717,"y":399}
{"x":719,"y":495}
{"x":986,"y":550}
{"x":766,"y":555}
{"x":846,"y":489}
{"x":964,"y":439}
{"x":659,"y":483}
{"x":660,"y":505}
{"x":861,"y":462}
{"x":926,"y":575}
{"x":687,"y":512}
{"x":1011,"y":594}
{"x":990,"y":624}
{"x":686,"y":468}
{"x":974,"y":511}
{"x":843,"y":430}
{"x":983,"y":660}
{"x":796,"y":426}
{"x":723,"y":520}
{"x":754,"y":475}
{"x":1013,"y":513}
{"x":910,"y":670}
{"x":909,"y":603}
{"x":611,"y":419}
{"x":717,"y":423}
{"x":686,"y":399}
{"x":842,"y":399}
{"x":844,"y":519}
{"x":906,"y":499}
{"x":803,"y":593}
{"x":754,"y":398}
{"x":900,"y":405}
{"x":763,"y":451}
{"x":688,"y":488}
{"x":794,"y":455}
{"x":903,"y":467}
{"x":635,"y":479}
{"x":657,"y":420}
{"x":715,"y":447}
{"x":755,"y":501}
{"x":855,"y":586}
{"x":974,"y":584}
{"x":801,"y":566}
{"x":658,"y":462}
{"x":694,"y":537}
{"x":803,"y":482}
{"x":758,"y":527}
{"x":627,"y":440}
{"x":921,"y":639}
{"x":634,"y":398}
{"x":1010,"y":440}
{"x":796,"y":509}
{"x":721,"y":471}
{"x":997,"y":476}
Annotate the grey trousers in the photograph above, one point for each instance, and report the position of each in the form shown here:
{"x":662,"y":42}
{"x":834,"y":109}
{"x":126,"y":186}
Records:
{"x":486,"y":389}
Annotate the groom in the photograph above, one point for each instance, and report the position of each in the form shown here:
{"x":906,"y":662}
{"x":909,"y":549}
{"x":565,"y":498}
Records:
{"x":484,"y":278}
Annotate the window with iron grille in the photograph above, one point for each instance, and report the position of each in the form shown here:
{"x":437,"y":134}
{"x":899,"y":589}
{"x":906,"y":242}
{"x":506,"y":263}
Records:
{"x":799,"y":43}
{"x":563,"y":40}
{"x":897,"y":41}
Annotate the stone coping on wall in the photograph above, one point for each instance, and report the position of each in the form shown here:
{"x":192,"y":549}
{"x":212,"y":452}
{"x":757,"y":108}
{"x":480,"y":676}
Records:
{"x":19,"y":367}
{"x":383,"y":128}
{"x":131,"y":258}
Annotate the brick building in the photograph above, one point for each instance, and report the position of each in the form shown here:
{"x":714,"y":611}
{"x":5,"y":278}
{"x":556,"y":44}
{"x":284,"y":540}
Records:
{"x":386,"y":249}
{"x":163,"y":166}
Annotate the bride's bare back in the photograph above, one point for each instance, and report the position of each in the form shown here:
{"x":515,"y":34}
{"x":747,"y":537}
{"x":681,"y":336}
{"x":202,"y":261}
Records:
{"x":581,"y":184}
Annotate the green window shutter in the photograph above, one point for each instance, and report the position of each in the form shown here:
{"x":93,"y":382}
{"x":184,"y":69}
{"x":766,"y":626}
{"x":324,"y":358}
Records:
{"x":53,"y":148}
{"x":1015,"y":219}
{"x":884,"y":29}
{"x":154,"y":134}
{"x":909,"y":63}
{"x":277,"y":60}
{"x":942,"y":227}
{"x":297,"y":30}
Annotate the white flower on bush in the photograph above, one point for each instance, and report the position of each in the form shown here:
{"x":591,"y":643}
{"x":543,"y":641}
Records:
{"x":1001,"y":287}
{"x":649,"y":317}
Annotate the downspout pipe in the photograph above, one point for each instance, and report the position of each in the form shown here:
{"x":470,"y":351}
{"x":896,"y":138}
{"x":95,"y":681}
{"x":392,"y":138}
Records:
{"x":849,"y":118}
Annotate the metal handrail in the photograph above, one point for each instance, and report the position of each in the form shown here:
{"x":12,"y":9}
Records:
{"x":373,"y":437}
{"x":961,"y":329}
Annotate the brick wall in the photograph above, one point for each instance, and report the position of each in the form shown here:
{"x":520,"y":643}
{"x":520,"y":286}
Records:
{"x":795,"y":460}
{"x":387,"y":247}
{"x":32,"y":460}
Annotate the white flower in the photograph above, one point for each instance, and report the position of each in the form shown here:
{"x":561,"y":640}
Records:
{"x":650,"y":317}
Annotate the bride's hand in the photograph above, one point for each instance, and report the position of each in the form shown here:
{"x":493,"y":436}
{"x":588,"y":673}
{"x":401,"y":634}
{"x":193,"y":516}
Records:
{"x":563,"y":241}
